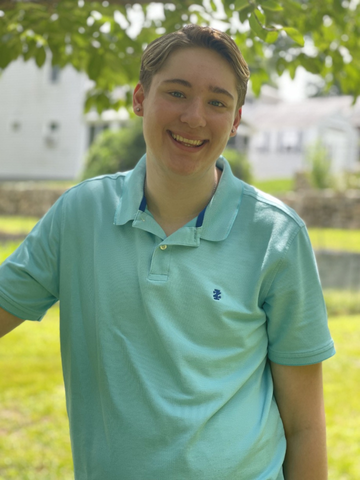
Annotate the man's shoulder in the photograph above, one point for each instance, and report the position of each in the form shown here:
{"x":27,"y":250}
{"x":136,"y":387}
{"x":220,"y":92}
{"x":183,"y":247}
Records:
{"x":98,"y":183}
{"x":270,"y":207}
{"x":101,"y":189}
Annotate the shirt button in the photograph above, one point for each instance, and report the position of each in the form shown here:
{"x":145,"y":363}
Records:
{"x":163,"y":247}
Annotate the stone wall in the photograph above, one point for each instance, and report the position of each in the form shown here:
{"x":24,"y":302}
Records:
{"x":27,"y":199}
{"x":339,"y":270}
{"x":325,"y":209}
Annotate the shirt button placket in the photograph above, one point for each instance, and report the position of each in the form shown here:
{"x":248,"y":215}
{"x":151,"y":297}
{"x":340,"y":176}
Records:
{"x":160,"y":263}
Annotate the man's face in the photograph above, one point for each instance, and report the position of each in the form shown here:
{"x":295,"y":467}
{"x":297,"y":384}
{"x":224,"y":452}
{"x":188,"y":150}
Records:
{"x":188,"y":112}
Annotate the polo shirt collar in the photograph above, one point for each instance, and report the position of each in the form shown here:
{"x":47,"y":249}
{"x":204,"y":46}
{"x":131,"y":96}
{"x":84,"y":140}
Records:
{"x":132,"y":192}
{"x":224,"y":207}
{"x":220,"y":213}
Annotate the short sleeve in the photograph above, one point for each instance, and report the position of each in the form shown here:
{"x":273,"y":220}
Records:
{"x":29,"y":278}
{"x":297,"y":327}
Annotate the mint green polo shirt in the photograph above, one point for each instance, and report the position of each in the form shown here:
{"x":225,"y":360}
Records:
{"x":165,"y":341}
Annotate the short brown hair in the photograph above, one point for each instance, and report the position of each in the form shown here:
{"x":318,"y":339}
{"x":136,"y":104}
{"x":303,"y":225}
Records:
{"x":157,"y":52}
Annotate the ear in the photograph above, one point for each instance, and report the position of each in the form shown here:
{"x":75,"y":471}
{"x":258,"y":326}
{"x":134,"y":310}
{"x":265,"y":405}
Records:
{"x":236,"y":122}
{"x":138,"y":99}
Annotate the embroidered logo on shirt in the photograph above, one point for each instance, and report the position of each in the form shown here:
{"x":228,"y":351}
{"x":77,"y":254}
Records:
{"x":216,"y":294}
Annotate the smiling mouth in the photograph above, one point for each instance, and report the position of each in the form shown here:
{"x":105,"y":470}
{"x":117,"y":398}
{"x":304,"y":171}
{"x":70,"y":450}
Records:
{"x":186,"y":141}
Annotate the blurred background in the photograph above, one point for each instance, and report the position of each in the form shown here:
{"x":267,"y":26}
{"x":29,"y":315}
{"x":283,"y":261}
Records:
{"x":67,"y":71}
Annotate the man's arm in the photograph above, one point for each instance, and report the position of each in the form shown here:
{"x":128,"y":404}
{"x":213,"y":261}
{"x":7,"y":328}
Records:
{"x":8,"y":322}
{"x":299,"y":396}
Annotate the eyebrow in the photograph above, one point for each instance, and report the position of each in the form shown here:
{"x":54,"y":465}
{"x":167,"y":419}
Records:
{"x":212,"y":88}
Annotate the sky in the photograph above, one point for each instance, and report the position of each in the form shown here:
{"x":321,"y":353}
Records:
{"x":295,"y":90}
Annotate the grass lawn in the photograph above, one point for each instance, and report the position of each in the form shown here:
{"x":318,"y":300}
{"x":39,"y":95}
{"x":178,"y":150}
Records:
{"x":17,"y":225}
{"x":335,"y":239}
{"x":276,"y":186}
{"x":342,"y":302}
{"x":321,"y":238}
{"x":34,"y":440}
{"x":7,"y":249}
{"x":342,"y":393}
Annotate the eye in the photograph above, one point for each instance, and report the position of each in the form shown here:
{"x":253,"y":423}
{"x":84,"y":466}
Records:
{"x":216,"y":103}
{"x":177,"y":94}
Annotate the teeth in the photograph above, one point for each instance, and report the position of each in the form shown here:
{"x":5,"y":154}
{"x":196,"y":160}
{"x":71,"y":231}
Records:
{"x":186,"y":141}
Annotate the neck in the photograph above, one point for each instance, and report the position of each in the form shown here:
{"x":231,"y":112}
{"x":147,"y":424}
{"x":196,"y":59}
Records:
{"x":174,"y":202}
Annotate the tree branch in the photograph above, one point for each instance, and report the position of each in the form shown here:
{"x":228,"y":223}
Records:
{"x":264,"y":27}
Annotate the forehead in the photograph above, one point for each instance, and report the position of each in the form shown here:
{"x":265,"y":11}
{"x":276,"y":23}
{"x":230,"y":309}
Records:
{"x":198,"y":66}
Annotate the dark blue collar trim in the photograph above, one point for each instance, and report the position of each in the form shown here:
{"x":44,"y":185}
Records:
{"x":143,"y":204}
{"x":199,"y":220}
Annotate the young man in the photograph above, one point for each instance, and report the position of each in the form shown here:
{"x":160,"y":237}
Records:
{"x":193,"y":325}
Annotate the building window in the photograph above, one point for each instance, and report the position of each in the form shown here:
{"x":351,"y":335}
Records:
{"x":54,"y":127}
{"x":262,"y":141}
{"x":55,"y":74}
{"x":289,"y":141}
{"x":243,"y":143}
{"x":51,"y":133}
{"x":16,"y":126}
{"x":91,"y":134}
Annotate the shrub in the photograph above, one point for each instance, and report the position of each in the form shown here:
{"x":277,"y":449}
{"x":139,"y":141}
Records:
{"x":348,"y":180}
{"x":319,"y":161}
{"x":115,"y":151}
{"x":240,"y":165}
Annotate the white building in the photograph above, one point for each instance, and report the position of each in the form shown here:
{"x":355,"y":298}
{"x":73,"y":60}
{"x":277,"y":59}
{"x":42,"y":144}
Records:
{"x":282,"y":133}
{"x":44,"y":133}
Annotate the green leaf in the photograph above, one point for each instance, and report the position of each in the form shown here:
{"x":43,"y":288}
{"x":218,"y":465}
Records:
{"x":244,"y":14}
{"x":95,"y":66}
{"x":295,"y":35}
{"x":271,"y":5}
{"x":258,"y":78}
{"x":292,"y":70}
{"x":311,"y":64}
{"x":31,"y":6}
{"x":256,"y":27}
{"x":89,"y":103}
{"x":241,"y":4}
{"x":271,"y":37}
{"x":31,"y":49}
{"x":102,"y":102}
{"x":5,"y":56}
{"x":294,"y":7}
{"x":213,"y":6}
{"x":281,"y":66}
{"x":40,"y":57}
{"x":260,"y":16}
{"x":81,"y":41}
{"x":338,"y":61}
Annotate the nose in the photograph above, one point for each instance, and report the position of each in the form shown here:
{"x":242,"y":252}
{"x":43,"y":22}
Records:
{"x":194,"y":114}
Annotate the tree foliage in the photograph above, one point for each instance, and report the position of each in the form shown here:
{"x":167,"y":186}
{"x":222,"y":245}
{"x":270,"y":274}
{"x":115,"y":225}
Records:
{"x":98,"y":38}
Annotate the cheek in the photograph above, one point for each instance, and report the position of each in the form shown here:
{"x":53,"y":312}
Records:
{"x":221,"y":126}
{"x":157,"y":113}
